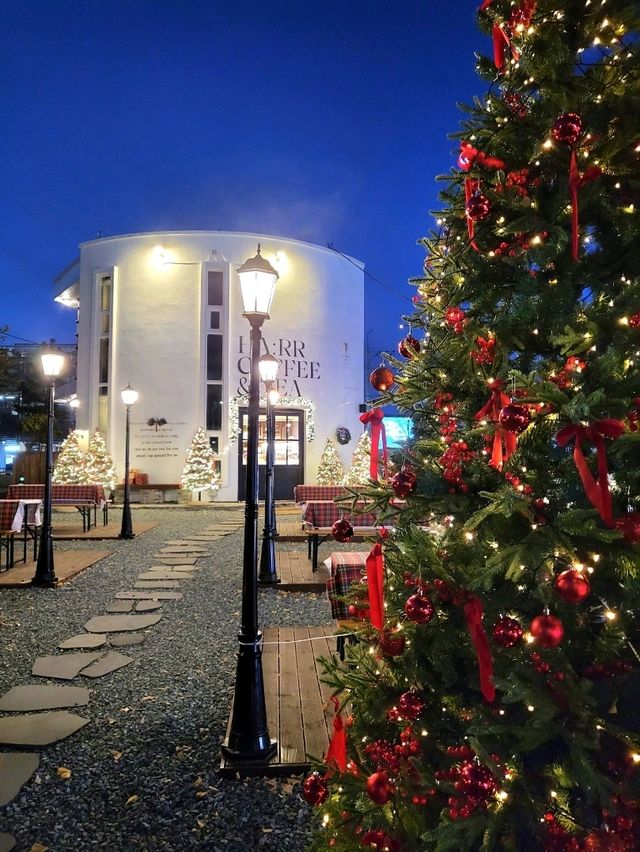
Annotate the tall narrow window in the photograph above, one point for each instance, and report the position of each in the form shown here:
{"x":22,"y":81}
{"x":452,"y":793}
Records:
{"x":104,"y":285}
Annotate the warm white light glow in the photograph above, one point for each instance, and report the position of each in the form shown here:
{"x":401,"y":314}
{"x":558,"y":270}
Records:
{"x":268,"y":366}
{"x":257,"y":283}
{"x":52,"y":363}
{"x":129,"y":395}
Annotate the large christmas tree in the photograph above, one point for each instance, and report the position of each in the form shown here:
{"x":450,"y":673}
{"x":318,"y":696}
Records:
{"x":494,"y":703}
{"x":199,"y":472}
{"x":70,"y":466}
{"x":99,"y":464}
{"x":359,"y":472}
{"x":330,"y":468}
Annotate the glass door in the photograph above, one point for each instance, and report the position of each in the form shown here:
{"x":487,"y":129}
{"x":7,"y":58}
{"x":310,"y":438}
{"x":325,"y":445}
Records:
{"x":289,"y":452}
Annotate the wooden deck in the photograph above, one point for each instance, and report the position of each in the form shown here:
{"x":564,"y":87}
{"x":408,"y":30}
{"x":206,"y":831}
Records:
{"x":67,"y":563}
{"x":296,"y":700}
{"x":73,"y":532}
{"x":296,"y":575}
{"x":290,"y":530}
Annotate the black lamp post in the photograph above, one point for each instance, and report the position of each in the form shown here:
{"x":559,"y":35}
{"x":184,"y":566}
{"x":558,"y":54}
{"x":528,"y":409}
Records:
{"x":129,"y":397}
{"x":268,"y":574}
{"x":52,"y":364}
{"x":248,"y":738}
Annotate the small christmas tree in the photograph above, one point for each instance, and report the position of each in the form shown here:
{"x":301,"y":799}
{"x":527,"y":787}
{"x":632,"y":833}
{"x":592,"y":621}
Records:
{"x":199,"y":472}
{"x":359,"y":471}
{"x":330,"y":469}
{"x":100,"y":467}
{"x":70,"y":467}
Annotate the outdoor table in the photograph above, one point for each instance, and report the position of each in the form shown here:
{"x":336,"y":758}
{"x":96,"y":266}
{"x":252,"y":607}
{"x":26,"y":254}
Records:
{"x":21,"y":516}
{"x":324,"y":513}
{"x":302,"y":493}
{"x":347,"y":568}
{"x":86,"y":499}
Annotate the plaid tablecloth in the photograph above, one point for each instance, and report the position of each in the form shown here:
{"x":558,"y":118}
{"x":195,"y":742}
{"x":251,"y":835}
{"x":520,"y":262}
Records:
{"x":324,"y":513}
{"x":302,"y":493}
{"x":8,"y":509}
{"x":347,"y":568}
{"x":68,"y":493}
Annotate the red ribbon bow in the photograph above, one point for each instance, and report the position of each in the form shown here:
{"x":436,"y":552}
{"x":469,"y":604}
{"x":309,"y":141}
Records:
{"x":501,"y":41}
{"x":336,"y":756}
{"x":473,"y":612}
{"x":375,"y":585}
{"x":596,"y":489}
{"x":470,"y":156}
{"x":491,"y":411}
{"x":576,"y":180}
{"x":378,"y":438}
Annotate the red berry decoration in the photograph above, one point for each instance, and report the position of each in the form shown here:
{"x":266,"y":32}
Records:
{"x":392,"y":643}
{"x":382,"y":378}
{"x":567,"y":128}
{"x":547,"y":631}
{"x":514,"y":418}
{"x":634,"y":321}
{"x":478,"y":207}
{"x":409,"y":347}
{"x":629,"y":526}
{"x":403,"y":484}
{"x":454,"y":316}
{"x":381,"y":842}
{"x":507,"y":632}
{"x":342,"y":530}
{"x":419,"y":608}
{"x":314,"y":789}
{"x":411,"y":705}
{"x":379,"y":788}
{"x":573,"y":586}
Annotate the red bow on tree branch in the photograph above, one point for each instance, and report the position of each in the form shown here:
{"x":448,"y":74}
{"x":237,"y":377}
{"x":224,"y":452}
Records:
{"x":470,"y":156}
{"x":473,"y":612}
{"x":576,"y":180}
{"x":375,"y":585}
{"x":378,"y":438}
{"x":491,"y":411}
{"x":336,"y":756}
{"x":597,"y":490}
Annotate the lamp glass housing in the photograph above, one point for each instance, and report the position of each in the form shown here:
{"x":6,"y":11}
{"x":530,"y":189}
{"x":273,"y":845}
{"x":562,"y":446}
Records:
{"x":257,"y":283}
{"x":268,"y":365}
{"x":129,"y":395}
{"x":52,"y":364}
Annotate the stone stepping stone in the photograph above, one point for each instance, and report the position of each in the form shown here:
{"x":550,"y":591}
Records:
{"x":186,"y":548}
{"x":39,"y":729}
{"x":119,"y":606}
{"x":165,"y":575}
{"x":63,"y":666}
{"x":111,"y":662}
{"x":157,"y":584}
{"x":84,"y":640}
{"x":136,"y":595}
{"x":147,"y":606}
{"x":7,"y":842}
{"x":120,"y":623}
{"x":23,"y":698}
{"x":16,"y":767}
{"x":168,"y":568}
{"x":185,"y":543}
{"x":175,"y":560}
{"x":120,"y":640}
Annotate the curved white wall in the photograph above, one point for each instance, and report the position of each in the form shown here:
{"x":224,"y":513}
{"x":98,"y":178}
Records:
{"x":159,"y":321}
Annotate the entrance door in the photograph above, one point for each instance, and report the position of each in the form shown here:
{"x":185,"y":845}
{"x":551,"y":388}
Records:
{"x":289,"y":452}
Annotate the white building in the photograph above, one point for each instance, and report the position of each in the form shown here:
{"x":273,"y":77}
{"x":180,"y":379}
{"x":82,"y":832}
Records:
{"x":163,"y":311}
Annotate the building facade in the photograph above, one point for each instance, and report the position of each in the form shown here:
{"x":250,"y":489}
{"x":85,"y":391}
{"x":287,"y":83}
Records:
{"x":163,"y":311}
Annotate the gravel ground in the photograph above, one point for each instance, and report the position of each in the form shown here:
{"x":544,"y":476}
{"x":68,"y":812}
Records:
{"x":144,"y":771}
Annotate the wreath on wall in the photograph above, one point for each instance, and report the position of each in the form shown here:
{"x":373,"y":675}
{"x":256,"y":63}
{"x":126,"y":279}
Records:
{"x":343,"y":435}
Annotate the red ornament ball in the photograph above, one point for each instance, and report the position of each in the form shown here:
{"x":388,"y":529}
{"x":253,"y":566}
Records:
{"x":514,"y":418}
{"x":379,"y":788}
{"x":381,"y":842}
{"x":507,"y":632}
{"x":478,"y":207}
{"x":629,"y":526}
{"x":342,"y":530}
{"x":392,"y":643}
{"x":547,"y":631}
{"x":403,"y":484}
{"x":382,"y":379}
{"x":573,"y":586}
{"x":314,"y":789}
{"x":634,"y":321}
{"x":411,"y":705}
{"x":409,"y":347}
{"x":567,"y":128}
{"x":419,"y":609}
{"x":476,"y":779}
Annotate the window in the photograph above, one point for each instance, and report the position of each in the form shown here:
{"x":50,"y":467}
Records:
{"x":214,"y":408}
{"x":214,"y":357}
{"x":103,"y":369}
{"x":214,"y":287}
{"x":215,"y":319}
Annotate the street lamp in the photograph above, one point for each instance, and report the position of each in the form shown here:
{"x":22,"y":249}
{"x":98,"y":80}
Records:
{"x":129,"y":397}
{"x":248,"y":737}
{"x":268,"y":573}
{"x":52,"y":364}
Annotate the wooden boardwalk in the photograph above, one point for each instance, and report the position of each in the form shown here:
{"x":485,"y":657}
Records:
{"x":296,"y":700}
{"x":67,"y":563}
{"x":290,"y":530}
{"x":296,"y":575}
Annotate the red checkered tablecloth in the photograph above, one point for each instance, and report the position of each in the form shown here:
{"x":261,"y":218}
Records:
{"x":324,"y":513}
{"x":8,"y":509}
{"x":302,"y":493}
{"x":68,"y":493}
{"x":347,"y":568}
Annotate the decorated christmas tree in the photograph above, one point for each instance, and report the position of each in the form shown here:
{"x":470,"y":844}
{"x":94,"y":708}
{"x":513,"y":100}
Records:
{"x":494,"y":695}
{"x":70,"y":466}
{"x":330,"y":469}
{"x":100,"y":468}
{"x":199,"y":472}
{"x":359,"y":471}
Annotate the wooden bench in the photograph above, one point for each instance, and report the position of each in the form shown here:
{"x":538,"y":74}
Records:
{"x":347,"y":568}
{"x":317,"y":535}
{"x":7,"y":545}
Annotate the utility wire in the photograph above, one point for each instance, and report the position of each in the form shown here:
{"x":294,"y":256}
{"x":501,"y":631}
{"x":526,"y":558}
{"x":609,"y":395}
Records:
{"x":373,"y":277}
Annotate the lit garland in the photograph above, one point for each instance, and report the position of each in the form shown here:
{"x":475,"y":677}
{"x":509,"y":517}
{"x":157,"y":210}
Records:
{"x":293,"y":401}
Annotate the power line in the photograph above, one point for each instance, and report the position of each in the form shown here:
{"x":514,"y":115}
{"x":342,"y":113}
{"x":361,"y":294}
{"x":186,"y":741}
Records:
{"x":373,"y":277}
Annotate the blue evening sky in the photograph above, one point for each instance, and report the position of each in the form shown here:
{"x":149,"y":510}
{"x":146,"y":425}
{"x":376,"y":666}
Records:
{"x":324,"y":120}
